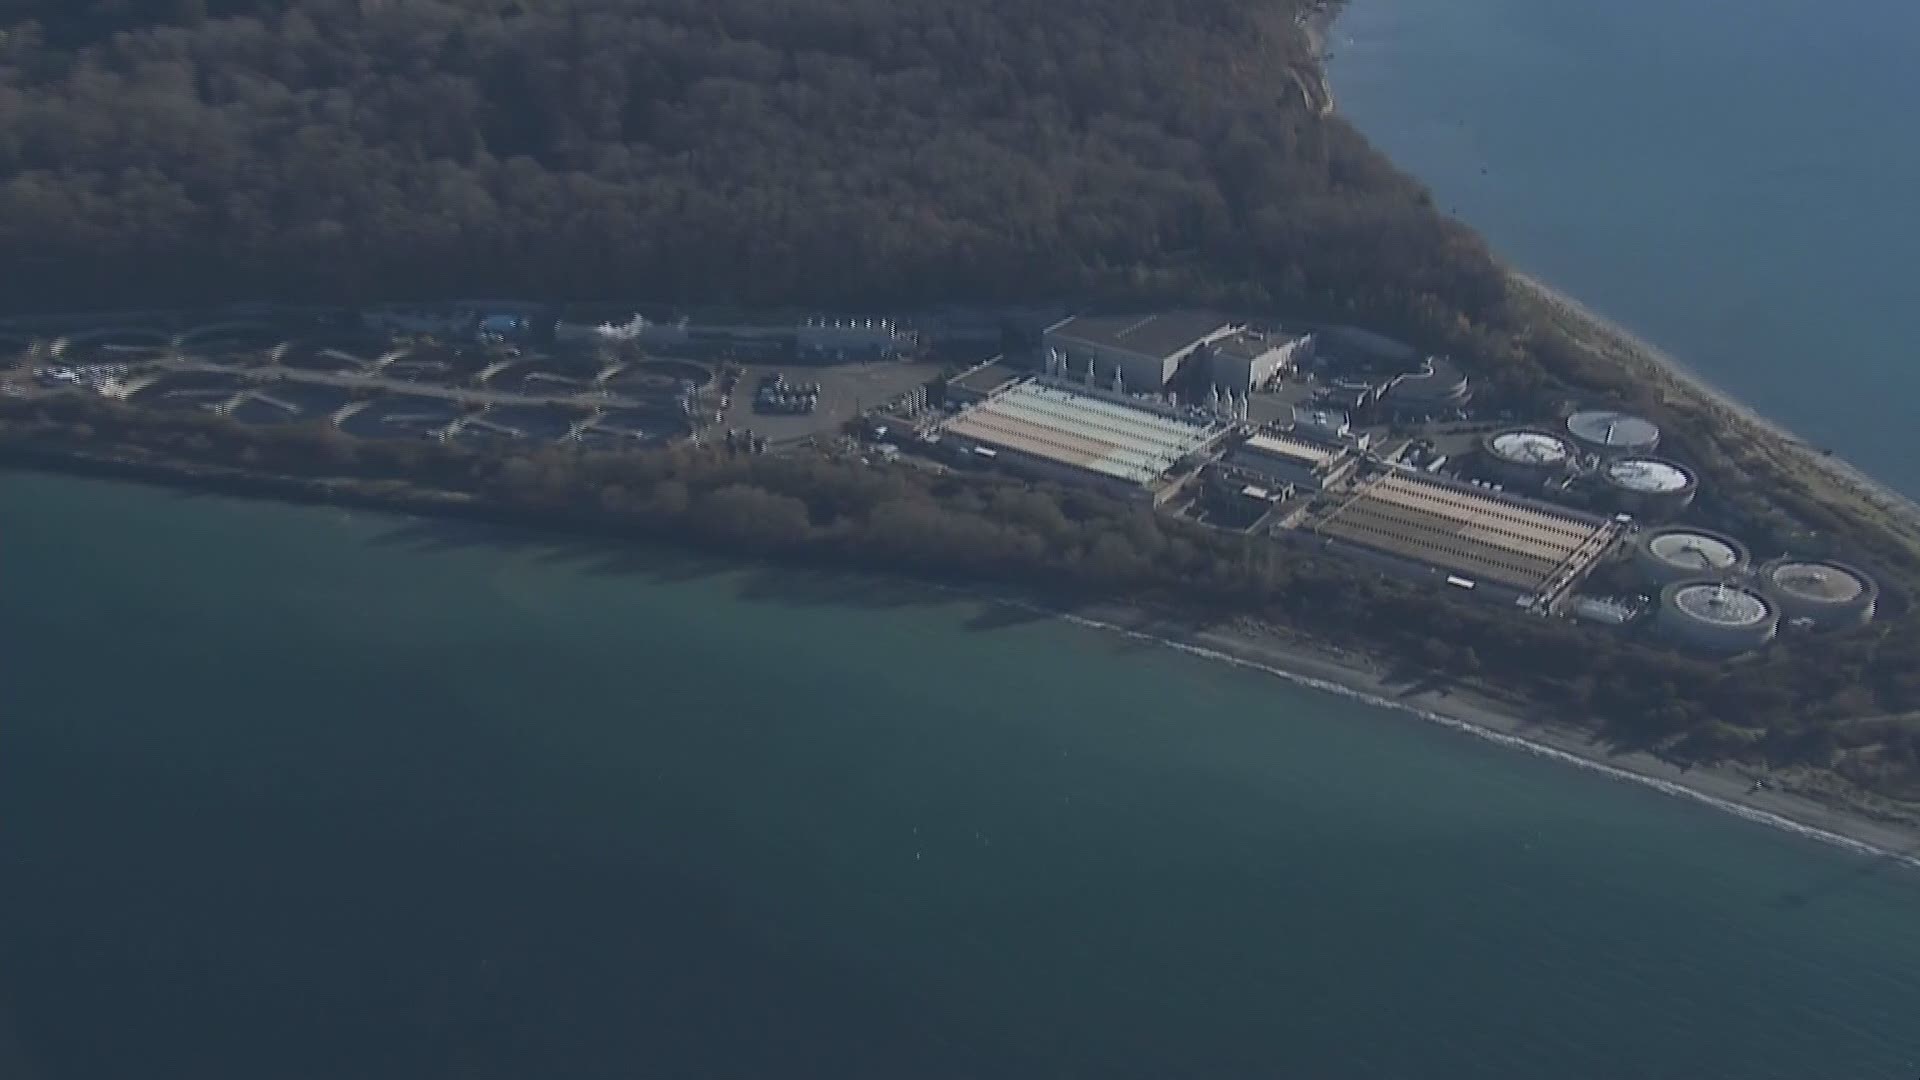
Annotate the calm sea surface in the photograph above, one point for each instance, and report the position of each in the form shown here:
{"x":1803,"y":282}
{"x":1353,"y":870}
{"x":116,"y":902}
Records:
{"x":1733,"y":180}
{"x":293,"y":793}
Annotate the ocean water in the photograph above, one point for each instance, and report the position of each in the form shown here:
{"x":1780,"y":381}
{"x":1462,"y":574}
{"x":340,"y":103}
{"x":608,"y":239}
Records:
{"x":300,"y":793}
{"x":1733,"y":181}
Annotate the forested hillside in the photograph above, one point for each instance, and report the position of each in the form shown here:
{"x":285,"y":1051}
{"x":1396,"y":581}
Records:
{"x":863,"y":151}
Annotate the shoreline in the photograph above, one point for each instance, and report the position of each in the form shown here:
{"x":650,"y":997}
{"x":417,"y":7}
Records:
{"x":1840,"y":814}
{"x":1621,"y":345}
{"x":1276,"y":651}
{"x":1723,"y":788}
{"x":1832,"y":819}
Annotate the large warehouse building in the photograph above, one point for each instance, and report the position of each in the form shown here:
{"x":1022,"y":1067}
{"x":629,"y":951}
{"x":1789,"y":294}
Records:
{"x":1055,"y":433}
{"x":1472,"y":538}
{"x":1146,"y":350}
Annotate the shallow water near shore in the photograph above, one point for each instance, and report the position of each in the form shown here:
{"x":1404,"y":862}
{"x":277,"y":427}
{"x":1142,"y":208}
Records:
{"x":1732,"y":182}
{"x":294,"y":792}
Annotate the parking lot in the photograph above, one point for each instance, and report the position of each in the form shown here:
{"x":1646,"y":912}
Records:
{"x":846,"y":390}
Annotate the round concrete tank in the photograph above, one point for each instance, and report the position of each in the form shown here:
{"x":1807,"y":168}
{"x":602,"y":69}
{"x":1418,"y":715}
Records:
{"x":1612,"y":434}
{"x":1670,"y":555}
{"x":1827,"y":594}
{"x":1524,"y":455}
{"x":1649,"y":486}
{"x":1714,"y":617}
{"x":1437,"y":386}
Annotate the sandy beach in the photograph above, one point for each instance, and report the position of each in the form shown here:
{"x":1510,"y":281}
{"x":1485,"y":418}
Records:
{"x":1788,"y":802}
{"x":1621,"y":346}
{"x":1813,"y":804}
{"x":1809,"y":803}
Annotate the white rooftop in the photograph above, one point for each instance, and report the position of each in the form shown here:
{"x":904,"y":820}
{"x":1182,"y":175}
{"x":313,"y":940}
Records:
{"x":1817,"y":581}
{"x":1106,"y":437}
{"x":1297,"y":450}
{"x":1531,"y":447}
{"x":1724,"y":605}
{"x":1649,"y":475}
{"x":1695,"y":551}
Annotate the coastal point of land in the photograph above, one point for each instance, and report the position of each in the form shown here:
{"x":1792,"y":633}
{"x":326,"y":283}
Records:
{"x":1286,"y":391}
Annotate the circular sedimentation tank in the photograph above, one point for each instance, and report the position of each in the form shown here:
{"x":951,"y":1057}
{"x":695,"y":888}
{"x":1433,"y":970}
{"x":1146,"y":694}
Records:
{"x":1649,"y":484}
{"x":1715,"y":617}
{"x":1611,"y":433}
{"x":1526,"y":448}
{"x":1670,"y":555}
{"x":1436,"y":383}
{"x":1827,"y":594}
{"x":1527,"y":457}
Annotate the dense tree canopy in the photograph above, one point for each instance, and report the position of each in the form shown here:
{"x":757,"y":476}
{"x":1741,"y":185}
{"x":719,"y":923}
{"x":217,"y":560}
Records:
{"x":860,"y":151}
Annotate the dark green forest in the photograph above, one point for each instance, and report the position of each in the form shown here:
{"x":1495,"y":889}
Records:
{"x":861,"y":151}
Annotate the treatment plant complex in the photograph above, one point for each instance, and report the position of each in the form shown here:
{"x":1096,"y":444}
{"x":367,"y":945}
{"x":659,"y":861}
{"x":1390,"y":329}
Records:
{"x":1309,"y":438}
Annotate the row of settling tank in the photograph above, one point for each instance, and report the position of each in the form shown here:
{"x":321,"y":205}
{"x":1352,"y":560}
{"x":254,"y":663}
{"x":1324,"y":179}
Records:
{"x":1639,"y":482}
{"x":1711,"y":598}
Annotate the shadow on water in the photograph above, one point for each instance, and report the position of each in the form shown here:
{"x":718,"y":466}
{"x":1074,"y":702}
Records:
{"x":583,"y":554}
{"x":667,"y":564}
{"x":1868,"y":869}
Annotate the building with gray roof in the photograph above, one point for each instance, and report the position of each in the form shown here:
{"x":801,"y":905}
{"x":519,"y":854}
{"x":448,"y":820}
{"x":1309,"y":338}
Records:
{"x":1146,"y":350}
{"x":1249,"y":360}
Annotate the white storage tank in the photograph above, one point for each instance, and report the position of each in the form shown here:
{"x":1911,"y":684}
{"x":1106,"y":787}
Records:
{"x":1649,"y":486}
{"x":1680,"y":554}
{"x":1715,"y":617}
{"x":1613,"y":434}
{"x":1527,"y":456}
{"x":1826,"y":594}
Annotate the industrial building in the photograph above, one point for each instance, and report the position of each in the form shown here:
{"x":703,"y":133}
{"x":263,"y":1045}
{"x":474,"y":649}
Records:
{"x":1525,"y":457}
{"x":1471,"y":538}
{"x":1143,"y":351}
{"x":980,"y":381}
{"x":1053,"y":432}
{"x":1251,"y":359}
{"x":1283,"y":461}
{"x":1649,"y":487}
{"x":809,"y":339}
{"x":1680,"y":554}
{"x":1716,"y":617}
{"x":1349,"y":395}
{"x":600,"y":323}
{"x":1825,"y":595}
{"x":1612,"y":434}
{"x":504,"y":319}
{"x":851,"y":339}
{"x":1321,"y":423}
